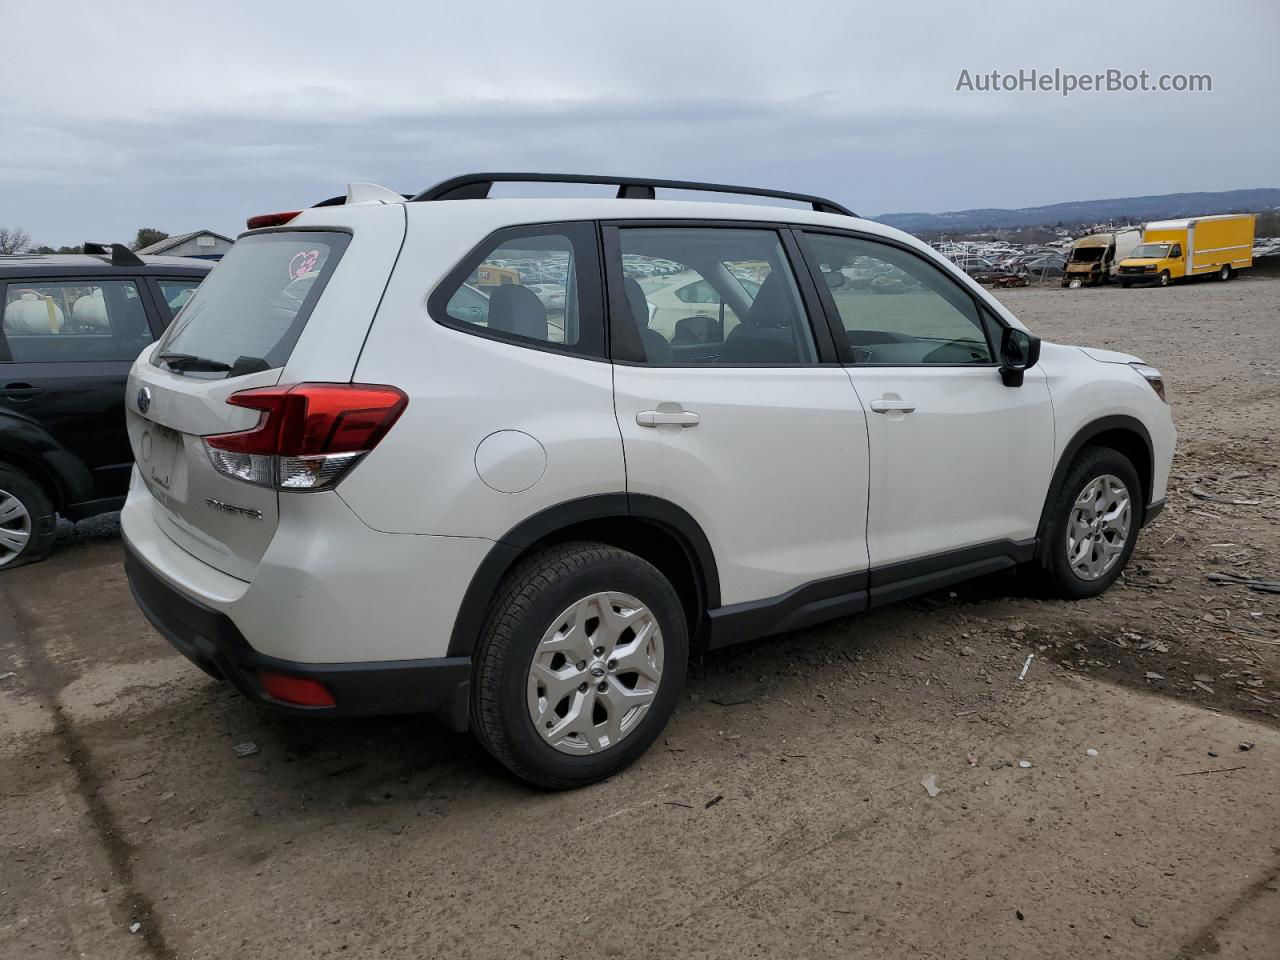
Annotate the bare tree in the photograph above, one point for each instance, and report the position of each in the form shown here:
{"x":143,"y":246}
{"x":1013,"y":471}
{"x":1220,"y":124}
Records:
{"x":14,"y":240}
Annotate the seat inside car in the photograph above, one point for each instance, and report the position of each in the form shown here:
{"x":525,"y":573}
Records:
{"x":516,"y":309}
{"x":656,"y":348}
{"x":767,"y":335}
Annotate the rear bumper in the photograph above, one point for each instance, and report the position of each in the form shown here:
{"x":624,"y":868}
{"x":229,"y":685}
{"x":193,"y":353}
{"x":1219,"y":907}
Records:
{"x":210,"y":640}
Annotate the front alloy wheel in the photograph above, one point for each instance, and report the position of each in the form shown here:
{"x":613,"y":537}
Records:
{"x":1092,"y":525}
{"x":1098,"y":530}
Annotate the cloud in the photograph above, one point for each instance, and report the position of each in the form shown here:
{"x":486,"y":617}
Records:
{"x":182,"y":117}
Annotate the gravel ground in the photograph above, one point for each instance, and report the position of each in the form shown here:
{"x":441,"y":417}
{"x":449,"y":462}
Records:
{"x":781,"y":814}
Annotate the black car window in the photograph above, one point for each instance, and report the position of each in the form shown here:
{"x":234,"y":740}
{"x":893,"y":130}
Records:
{"x":176,"y":291}
{"x":47,"y":321}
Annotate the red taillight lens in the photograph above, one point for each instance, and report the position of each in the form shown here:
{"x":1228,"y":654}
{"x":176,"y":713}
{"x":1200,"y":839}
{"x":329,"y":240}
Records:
{"x":271,"y":219}
{"x":299,"y":690}
{"x":309,"y":435}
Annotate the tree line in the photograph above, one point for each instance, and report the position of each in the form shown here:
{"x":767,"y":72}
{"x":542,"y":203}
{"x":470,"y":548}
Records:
{"x":16,"y":240}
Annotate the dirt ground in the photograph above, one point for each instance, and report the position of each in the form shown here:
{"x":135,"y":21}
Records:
{"x":781,"y":814}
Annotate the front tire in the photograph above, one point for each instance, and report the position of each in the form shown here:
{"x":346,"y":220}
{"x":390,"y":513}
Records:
{"x":27,"y":522}
{"x":1093,"y":524}
{"x":579,"y":665}
{"x":1165,"y":278}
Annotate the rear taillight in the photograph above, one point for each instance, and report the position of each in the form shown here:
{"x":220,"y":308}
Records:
{"x":309,"y":436}
{"x":271,"y":219}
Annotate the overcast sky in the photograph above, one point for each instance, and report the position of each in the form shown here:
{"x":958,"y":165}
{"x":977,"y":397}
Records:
{"x":184,"y":115}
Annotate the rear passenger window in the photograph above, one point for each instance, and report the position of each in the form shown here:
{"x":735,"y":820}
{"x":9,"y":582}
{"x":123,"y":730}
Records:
{"x":533,"y":285}
{"x":176,"y":293}
{"x":47,"y":322}
{"x":709,"y":295}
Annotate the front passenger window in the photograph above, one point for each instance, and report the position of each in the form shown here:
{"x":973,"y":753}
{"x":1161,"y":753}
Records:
{"x":897,"y":308}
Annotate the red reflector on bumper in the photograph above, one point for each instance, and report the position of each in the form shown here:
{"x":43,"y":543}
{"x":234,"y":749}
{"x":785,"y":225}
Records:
{"x":305,"y":693}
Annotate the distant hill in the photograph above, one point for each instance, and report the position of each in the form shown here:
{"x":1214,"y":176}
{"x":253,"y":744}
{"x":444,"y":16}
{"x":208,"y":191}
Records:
{"x":1088,"y":211}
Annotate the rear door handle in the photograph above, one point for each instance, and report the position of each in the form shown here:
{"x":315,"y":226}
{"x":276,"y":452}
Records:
{"x":20,"y":391}
{"x":892,"y":406}
{"x":678,"y":418}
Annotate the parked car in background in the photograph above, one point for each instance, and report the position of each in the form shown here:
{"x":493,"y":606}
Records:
{"x":372,"y":500}
{"x":1044,"y":266}
{"x":71,"y":327}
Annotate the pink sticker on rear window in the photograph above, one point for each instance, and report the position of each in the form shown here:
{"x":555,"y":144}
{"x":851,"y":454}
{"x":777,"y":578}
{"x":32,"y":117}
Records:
{"x":303,"y":263}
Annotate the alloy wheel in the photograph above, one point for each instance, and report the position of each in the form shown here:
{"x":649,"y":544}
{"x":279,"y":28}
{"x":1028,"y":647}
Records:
{"x":1098,"y":528}
{"x":595,"y":673}
{"x":15,"y":527}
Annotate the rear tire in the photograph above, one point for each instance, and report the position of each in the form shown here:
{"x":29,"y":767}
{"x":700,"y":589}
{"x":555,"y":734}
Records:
{"x":1090,"y":537}
{"x":563,"y":717}
{"x":27,"y":521}
{"x":1224,"y":274}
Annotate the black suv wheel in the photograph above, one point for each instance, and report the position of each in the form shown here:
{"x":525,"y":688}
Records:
{"x":27,"y":522}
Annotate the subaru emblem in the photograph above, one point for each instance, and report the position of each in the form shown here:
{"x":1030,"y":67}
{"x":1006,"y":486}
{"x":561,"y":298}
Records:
{"x":144,"y":399}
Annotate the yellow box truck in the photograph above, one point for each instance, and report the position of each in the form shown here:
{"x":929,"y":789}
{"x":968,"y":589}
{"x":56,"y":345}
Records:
{"x":1199,"y":246}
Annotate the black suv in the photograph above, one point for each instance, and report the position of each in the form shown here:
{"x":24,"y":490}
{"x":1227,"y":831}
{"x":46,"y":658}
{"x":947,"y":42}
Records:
{"x":71,"y":327}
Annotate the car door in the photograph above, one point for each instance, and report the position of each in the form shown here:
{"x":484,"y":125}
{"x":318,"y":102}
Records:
{"x":960,"y":462}
{"x":758,"y":436}
{"x":66,"y":350}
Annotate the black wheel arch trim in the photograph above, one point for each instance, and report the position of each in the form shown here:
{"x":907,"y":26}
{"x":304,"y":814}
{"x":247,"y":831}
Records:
{"x":512,"y":545}
{"x":1082,"y":437}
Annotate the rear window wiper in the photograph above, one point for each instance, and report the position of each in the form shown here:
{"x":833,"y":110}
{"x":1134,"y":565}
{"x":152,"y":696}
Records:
{"x":181,"y":362}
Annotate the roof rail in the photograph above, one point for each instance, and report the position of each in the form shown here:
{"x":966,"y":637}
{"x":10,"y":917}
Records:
{"x":121,"y":256}
{"x":476,"y":186}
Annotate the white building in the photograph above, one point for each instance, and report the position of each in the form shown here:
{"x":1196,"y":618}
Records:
{"x":198,"y":243}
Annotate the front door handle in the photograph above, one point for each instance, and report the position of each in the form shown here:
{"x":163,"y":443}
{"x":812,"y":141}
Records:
{"x":892,"y":406}
{"x":20,"y":391}
{"x":657,"y":418}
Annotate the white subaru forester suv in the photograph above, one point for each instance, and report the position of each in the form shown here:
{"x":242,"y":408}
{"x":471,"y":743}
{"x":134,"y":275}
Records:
{"x":428,"y":453}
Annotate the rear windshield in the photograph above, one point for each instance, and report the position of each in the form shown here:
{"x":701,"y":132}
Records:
{"x":250,"y":311}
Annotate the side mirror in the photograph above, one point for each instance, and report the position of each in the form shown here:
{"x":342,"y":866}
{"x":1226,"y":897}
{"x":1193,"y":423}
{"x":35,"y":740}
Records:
{"x":835,"y":279}
{"x":1019,"y":352}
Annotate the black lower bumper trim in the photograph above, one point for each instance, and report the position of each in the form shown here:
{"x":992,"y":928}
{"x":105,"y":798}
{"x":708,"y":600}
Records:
{"x":438,"y":686}
{"x":1154,"y":509}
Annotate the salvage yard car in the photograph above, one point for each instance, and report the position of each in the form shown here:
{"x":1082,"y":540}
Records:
{"x":71,"y":326}
{"x":360,"y":496}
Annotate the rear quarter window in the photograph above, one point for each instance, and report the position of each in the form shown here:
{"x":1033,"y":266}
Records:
{"x":253,"y":306}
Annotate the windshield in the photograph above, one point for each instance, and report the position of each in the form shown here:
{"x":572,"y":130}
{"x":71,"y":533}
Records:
{"x":250,"y":311}
{"x":1155,"y":250}
{"x":1087,"y":254}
